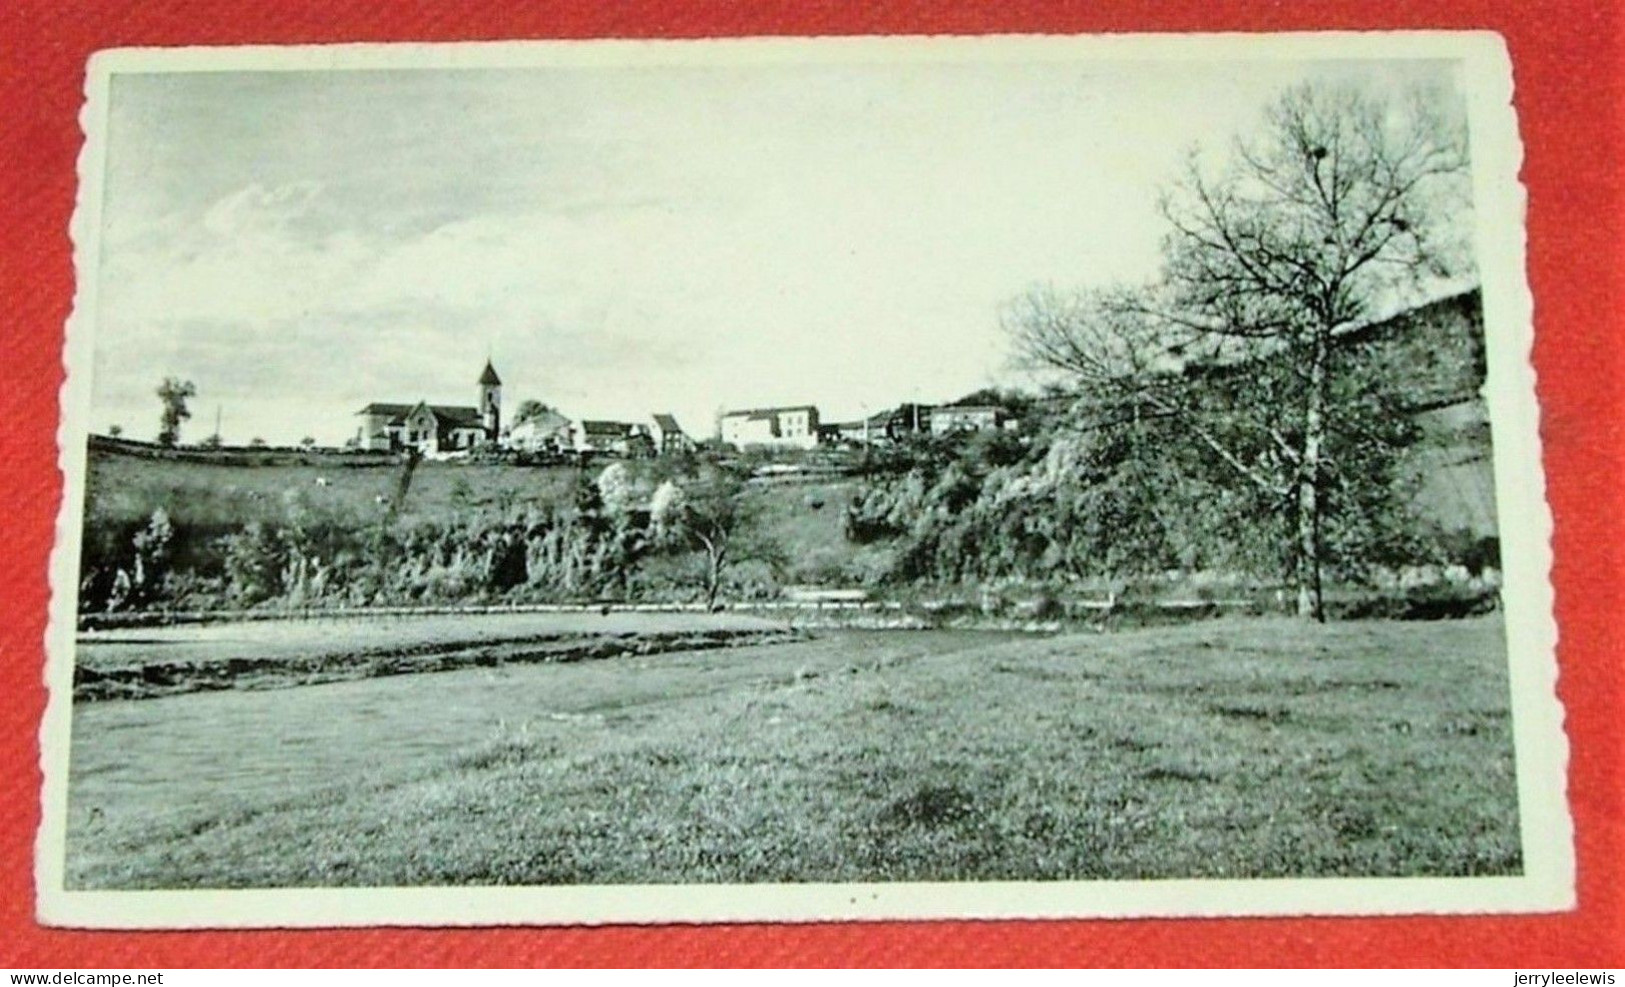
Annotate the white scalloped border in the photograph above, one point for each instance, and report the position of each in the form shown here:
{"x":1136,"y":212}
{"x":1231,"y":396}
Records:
{"x":1542,"y":749}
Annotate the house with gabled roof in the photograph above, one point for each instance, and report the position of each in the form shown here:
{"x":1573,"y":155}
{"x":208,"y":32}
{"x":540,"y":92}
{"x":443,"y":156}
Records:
{"x":668,"y":436}
{"x":544,"y":431}
{"x":435,"y":429}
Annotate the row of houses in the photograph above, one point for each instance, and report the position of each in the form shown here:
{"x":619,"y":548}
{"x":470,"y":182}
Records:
{"x":452,"y":430}
{"x":799,"y":426}
{"x":551,"y":432}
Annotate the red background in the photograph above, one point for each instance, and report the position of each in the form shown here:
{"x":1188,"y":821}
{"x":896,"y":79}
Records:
{"x":1567,"y":62}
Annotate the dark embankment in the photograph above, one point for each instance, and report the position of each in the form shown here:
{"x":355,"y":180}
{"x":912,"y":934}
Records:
{"x":145,"y":663}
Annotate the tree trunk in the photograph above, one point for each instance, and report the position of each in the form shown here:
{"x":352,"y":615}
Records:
{"x":713,"y":578}
{"x":1310,"y":603}
{"x":403,"y":484}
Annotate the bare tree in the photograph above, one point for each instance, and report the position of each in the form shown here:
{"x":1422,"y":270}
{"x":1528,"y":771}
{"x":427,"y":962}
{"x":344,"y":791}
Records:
{"x":1342,"y":205}
{"x":712,"y":514}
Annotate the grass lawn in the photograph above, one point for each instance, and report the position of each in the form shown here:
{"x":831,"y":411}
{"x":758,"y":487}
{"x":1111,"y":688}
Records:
{"x":1221,"y":749}
{"x":124,"y":489}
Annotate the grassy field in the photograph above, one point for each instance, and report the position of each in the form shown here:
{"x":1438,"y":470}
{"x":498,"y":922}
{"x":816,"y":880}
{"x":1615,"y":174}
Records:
{"x":1221,"y":749}
{"x":122,"y":489}
{"x":125,"y":488}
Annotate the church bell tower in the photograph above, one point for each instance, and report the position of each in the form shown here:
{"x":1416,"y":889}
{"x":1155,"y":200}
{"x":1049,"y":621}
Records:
{"x":491,"y":402}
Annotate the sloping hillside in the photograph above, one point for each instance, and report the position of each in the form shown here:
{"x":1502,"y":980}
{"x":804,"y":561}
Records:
{"x":124,"y":488}
{"x":460,"y":510}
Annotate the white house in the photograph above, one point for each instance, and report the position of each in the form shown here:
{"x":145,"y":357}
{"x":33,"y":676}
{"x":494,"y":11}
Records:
{"x":613,"y":438}
{"x":793,"y":427}
{"x":949,"y":418}
{"x":545,"y":431}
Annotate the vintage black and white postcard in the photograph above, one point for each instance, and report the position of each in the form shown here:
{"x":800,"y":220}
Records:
{"x":583,"y":482}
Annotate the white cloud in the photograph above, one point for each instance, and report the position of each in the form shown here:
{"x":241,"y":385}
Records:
{"x":622,"y":242}
{"x":256,"y":212}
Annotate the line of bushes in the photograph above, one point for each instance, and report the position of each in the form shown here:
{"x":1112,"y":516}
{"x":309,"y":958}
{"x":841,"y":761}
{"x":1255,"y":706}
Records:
{"x":600,"y":544}
{"x":1034,"y":527}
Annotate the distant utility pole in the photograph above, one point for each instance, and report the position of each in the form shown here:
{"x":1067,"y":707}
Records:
{"x":217,"y":425}
{"x":863,"y":408}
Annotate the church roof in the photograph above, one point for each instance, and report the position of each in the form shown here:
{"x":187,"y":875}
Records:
{"x":457,"y":415}
{"x":489,"y":378}
{"x":447,"y":414}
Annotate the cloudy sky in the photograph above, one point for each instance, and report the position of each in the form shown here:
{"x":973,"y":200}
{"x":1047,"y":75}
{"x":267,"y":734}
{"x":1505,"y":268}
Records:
{"x":624,"y":240}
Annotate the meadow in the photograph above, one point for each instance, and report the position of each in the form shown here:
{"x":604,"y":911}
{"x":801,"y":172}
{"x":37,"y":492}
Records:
{"x":126,"y":489}
{"x":1262,"y":748}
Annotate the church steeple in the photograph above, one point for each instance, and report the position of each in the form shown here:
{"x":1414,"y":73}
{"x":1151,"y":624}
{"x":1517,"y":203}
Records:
{"x":491,"y":402}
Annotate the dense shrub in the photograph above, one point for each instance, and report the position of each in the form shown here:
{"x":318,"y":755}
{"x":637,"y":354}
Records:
{"x":1079,"y":501}
{"x":590,"y":545}
{"x":255,"y":560}
{"x":1432,"y":602}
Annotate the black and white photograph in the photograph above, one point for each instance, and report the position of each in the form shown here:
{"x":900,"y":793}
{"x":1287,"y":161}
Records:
{"x":801,"y":479}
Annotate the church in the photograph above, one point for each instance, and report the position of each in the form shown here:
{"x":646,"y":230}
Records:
{"x":435,"y":429}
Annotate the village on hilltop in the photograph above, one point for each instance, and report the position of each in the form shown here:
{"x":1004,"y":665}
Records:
{"x":453,"y":431}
